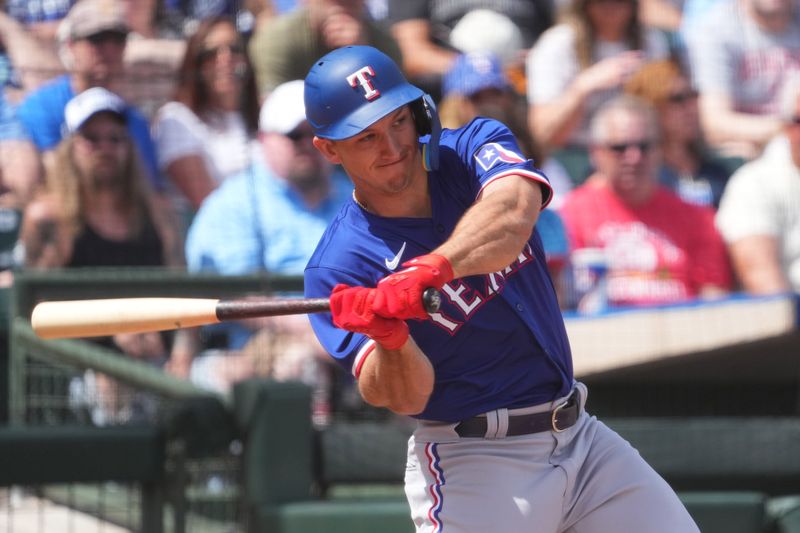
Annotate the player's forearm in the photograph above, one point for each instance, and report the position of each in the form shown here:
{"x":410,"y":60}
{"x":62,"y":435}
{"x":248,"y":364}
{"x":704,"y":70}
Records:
{"x":400,"y":380}
{"x":492,"y":233}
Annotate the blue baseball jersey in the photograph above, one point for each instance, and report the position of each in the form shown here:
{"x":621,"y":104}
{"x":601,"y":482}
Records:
{"x":498,"y":340}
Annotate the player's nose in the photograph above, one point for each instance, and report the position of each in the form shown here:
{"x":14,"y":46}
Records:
{"x":391,"y":146}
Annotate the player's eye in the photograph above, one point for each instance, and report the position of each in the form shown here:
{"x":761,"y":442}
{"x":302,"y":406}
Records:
{"x":366,"y":138}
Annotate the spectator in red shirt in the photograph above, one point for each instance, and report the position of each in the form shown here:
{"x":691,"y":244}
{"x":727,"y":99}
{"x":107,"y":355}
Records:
{"x":658,"y":248}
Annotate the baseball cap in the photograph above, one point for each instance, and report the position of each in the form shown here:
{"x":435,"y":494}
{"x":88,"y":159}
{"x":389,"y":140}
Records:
{"x":90,"y":17}
{"x":485,"y":30}
{"x":90,"y":102}
{"x":474,"y":72}
{"x":284,"y":109}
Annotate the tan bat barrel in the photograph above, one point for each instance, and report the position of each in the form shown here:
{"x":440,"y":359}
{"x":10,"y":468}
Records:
{"x":93,"y":318}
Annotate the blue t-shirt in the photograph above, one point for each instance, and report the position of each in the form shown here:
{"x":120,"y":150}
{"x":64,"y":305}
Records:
{"x":42,"y":113}
{"x":34,"y":11}
{"x":499,"y":340}
{"x":11,"y":129}
{"x":255,"y":221}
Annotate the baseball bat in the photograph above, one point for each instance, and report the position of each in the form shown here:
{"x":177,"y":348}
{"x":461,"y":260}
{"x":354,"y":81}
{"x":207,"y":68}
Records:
{"x":95,"y":318}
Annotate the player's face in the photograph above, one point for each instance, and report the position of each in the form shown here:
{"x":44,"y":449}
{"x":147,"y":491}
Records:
{"x":627,"y":157}
{"x":384,"y":159}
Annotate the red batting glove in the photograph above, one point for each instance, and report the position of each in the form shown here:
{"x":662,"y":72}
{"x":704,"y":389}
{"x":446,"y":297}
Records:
{"x":400,"y":294}
{"x":352,"y":309}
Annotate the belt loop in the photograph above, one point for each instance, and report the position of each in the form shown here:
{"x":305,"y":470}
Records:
{"x":502,"y":423}
{"x":492,"y":423}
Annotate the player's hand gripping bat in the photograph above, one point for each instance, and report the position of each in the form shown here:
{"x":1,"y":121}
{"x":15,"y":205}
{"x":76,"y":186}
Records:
{"x":93,"y":318}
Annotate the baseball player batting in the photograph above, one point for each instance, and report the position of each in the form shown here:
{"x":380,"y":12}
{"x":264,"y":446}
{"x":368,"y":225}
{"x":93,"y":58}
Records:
{"x":503,"y":442}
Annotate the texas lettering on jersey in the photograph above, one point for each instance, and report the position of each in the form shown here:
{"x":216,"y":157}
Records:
{"x":469,"y":299}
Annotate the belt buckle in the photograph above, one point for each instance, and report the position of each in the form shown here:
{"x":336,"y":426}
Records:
{"x":554,"y":415}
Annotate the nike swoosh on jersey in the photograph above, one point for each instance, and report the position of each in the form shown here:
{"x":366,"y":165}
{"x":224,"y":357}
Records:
{"x":392,"y":264}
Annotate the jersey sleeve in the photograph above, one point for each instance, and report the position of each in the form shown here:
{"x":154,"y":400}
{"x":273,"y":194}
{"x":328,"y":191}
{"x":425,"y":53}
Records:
{"x":347,"y":348}
{"x":490,"y":151}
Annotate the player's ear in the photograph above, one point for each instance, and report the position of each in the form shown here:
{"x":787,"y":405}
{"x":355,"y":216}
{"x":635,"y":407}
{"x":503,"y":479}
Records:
{"x":328,"y":149}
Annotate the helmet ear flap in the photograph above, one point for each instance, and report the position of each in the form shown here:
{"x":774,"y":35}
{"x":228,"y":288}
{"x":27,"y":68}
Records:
{"x":426,"y":120}
{"x":422,"y":117}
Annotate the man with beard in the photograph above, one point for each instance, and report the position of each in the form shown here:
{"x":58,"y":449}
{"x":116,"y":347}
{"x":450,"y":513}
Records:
{"x":96,"y":209}
{"x":269,"y":218}
{"x":92,"y":42}
{"x":658,"y":248}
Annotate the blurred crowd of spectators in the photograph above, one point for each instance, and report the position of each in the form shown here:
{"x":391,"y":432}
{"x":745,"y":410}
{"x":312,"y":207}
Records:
{"x":172,"y":133}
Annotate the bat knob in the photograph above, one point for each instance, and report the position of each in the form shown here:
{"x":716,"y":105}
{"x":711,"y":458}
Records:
{"x":431,"y":300}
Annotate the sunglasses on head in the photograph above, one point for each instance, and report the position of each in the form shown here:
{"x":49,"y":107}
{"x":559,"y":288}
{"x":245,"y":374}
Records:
{"x":215,"y":51}
{"x":621,"y":148}
{"x":681,"y":97}
{"x":116,"y":37}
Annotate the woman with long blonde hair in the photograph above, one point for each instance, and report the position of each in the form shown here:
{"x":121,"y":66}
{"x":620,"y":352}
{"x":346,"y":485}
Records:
{"x":582,"y":62}
{"x":95,"y":207}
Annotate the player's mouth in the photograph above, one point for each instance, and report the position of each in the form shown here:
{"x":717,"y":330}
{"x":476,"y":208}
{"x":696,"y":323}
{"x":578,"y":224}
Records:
{"x":394,"y":161}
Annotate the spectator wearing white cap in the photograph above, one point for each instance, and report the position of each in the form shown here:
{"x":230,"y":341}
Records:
{"x":92,"y":44}
{"x":96,"y":209}
{"x":270,"y":218}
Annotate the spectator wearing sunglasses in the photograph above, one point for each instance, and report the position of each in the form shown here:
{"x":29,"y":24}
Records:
{"x":269,"y":218}
{"x":759,"y":216}
{"x":92,"y":44}
{"x":205,"y":134}
{"x":688,"y":167}
{"x":658,"y":248}
{"x":96,"y":209}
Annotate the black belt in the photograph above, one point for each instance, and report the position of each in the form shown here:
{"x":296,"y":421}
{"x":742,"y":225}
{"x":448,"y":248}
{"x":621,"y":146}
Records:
{"x":559,"y":419}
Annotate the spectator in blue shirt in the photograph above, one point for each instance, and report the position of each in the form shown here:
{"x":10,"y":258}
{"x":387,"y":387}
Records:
{"x":93,"y":36}
{"x":270,"y":218}
{"x":19,"y":172}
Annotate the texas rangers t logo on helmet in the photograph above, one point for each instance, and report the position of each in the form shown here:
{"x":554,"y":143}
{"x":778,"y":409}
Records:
{"x":360,"y":77}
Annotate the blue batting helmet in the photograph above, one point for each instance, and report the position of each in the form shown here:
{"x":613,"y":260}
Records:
{"x":351,"y":88}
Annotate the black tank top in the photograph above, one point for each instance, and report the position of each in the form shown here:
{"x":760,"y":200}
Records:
{"x":92,"y":250}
